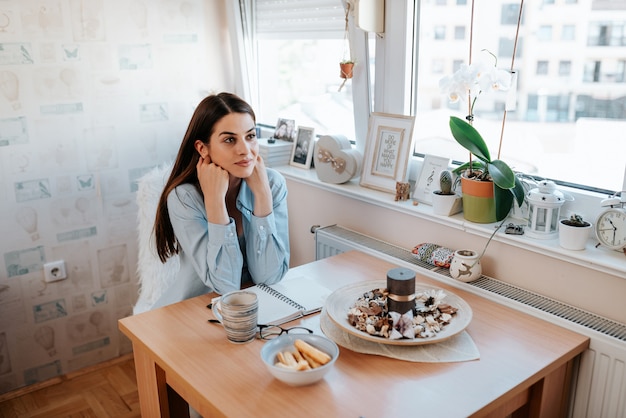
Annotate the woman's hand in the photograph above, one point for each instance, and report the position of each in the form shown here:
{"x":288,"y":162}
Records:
{"x":213,"y":181}
{"x":260,"y":186}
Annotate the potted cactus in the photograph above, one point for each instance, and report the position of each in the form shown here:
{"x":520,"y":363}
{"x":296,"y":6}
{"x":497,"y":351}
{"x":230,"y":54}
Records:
{"x":445,"y":200}
{"x":574,"y":232}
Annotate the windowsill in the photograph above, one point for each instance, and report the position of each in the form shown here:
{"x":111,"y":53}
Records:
{"x":600,"y":259}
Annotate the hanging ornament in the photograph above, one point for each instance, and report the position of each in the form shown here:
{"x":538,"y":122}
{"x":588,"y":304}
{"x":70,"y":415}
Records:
{"x":346,"y":65}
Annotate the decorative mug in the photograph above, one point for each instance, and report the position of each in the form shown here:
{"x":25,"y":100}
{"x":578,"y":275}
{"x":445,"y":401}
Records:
{"x":465,"y":266}
{"x":238,"y":313}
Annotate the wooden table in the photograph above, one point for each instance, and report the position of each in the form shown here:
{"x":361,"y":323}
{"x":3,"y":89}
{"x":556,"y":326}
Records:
{"x":525,"y":365}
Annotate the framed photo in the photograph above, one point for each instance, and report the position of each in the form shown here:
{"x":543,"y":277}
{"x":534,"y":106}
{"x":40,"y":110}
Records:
{"x":387,"y":151}
{"x":428,"y":180}
{"x":285,"y":129}
{"x":302,"y":152}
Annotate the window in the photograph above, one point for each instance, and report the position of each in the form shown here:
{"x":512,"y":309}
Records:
{"x":565,"y":115}
{"x":563,"y":120}
{"x":568,"y":33}
{"x":605,"y":71}
{"x":545,"y":33}
{"x":298,"y":47}
{"x":542,"y":68}
{"x":438,"y":66}
{"x":459,"y":32}
{"x":607,"y":34}
{"x":440,"y":32}
{"x":509,"y":14}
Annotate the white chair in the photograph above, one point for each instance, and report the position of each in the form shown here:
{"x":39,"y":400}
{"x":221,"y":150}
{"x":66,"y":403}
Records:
{"x":154,"y":276}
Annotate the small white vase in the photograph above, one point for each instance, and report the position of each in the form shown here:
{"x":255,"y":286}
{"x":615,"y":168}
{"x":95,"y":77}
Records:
{"x":574,"y":237}
{"x":465,"y":266}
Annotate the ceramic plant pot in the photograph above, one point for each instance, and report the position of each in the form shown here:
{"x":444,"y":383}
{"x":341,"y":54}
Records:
{"x":446,"y":204}
{"x":574,"y":237}
{"x":479,"y":204}
{"x":465,"y":266}
{"x":346,"y":70}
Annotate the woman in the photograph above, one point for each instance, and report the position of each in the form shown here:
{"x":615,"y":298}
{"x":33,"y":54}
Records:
{"x":222,"y":211}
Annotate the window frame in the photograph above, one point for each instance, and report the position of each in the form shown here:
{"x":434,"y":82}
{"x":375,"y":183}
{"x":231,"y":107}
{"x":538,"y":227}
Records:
{"x":394,"y":81}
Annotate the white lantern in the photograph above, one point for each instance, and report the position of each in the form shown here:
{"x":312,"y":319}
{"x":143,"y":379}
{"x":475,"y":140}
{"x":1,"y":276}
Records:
{"x":544,"y":203}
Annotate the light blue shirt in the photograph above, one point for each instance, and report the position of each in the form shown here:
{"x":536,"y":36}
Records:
{"x":212,"y":257}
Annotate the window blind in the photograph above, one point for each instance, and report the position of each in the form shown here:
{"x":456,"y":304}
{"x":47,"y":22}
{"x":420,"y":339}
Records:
{"x":297,"y":18}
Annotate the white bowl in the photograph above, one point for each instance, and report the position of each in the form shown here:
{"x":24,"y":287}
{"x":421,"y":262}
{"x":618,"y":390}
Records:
{"x":295,"y":377}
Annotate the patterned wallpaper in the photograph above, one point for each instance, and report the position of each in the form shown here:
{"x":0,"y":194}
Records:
{"x":93,"y":94}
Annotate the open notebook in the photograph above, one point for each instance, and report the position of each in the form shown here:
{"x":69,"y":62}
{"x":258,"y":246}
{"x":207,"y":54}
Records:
{"x":289,"y":299}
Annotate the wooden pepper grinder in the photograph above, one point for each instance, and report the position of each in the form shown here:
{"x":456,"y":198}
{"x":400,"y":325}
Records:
{"x":401,"y":285}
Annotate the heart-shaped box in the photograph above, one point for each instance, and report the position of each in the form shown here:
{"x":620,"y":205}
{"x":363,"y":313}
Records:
{"x":335,"y":159}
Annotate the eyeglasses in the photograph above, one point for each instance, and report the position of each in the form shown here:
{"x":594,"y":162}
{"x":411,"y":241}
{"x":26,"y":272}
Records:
{"x":269,"y":332}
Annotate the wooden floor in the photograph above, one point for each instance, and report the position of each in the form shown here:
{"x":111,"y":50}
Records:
{"x":108,"y":390}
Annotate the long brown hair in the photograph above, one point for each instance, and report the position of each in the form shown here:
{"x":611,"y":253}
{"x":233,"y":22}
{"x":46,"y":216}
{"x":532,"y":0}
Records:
{"x":207,"y":114}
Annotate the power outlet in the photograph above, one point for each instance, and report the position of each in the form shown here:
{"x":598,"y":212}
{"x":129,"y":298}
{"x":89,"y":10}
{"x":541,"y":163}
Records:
{"x":54,"y":271}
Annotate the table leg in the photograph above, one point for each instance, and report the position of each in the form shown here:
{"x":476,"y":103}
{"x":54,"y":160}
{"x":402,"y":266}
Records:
{"x":151,"y":385}
{"x":178,"y":407}
{"x":549,"y":398}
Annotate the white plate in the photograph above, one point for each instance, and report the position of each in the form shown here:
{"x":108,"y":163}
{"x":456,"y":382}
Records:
{"x":342,"y":299}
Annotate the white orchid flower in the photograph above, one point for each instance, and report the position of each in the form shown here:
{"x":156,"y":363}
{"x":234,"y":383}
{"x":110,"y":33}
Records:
{"x":494,"y":79}
{"x":472,"y":80}
{"x":461,"y":83}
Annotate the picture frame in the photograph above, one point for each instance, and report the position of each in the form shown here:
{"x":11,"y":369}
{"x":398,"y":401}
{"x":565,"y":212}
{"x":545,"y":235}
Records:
{"x":387,"y":151}
{"x":285,"y":129}
{"x":302,"y":151}
{"x":428,"y":180}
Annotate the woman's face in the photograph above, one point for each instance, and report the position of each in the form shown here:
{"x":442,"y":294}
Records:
{"x":233,"y":144}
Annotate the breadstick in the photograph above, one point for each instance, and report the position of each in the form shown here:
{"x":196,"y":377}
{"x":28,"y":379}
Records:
{"x":303,"y":365}
{"x":314,"y":353}
{"x":314,"y":364}
{"x":280,"y":358}
{"x":290,"y":360}
{"x":298,"y":356}
{"x":286,"y":359}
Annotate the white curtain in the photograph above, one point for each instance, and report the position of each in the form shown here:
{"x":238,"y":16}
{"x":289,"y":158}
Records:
{"x":242,"y":30}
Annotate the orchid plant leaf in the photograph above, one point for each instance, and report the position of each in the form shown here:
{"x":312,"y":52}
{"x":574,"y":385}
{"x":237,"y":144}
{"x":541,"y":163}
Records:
{"x":469,"y":138}
{"x":519,"y":191}
{"x":501,"y":174}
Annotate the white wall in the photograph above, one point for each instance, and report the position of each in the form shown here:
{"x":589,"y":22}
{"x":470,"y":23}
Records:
{"x":588,"y":289}
{"x":93,"y":94}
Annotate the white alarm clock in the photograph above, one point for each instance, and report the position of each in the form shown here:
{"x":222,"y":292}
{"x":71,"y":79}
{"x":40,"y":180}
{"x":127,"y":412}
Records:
{"x":611,"y":224}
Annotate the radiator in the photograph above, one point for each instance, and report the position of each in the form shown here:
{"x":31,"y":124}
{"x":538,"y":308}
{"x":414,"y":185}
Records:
{"x":600,"y":381}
